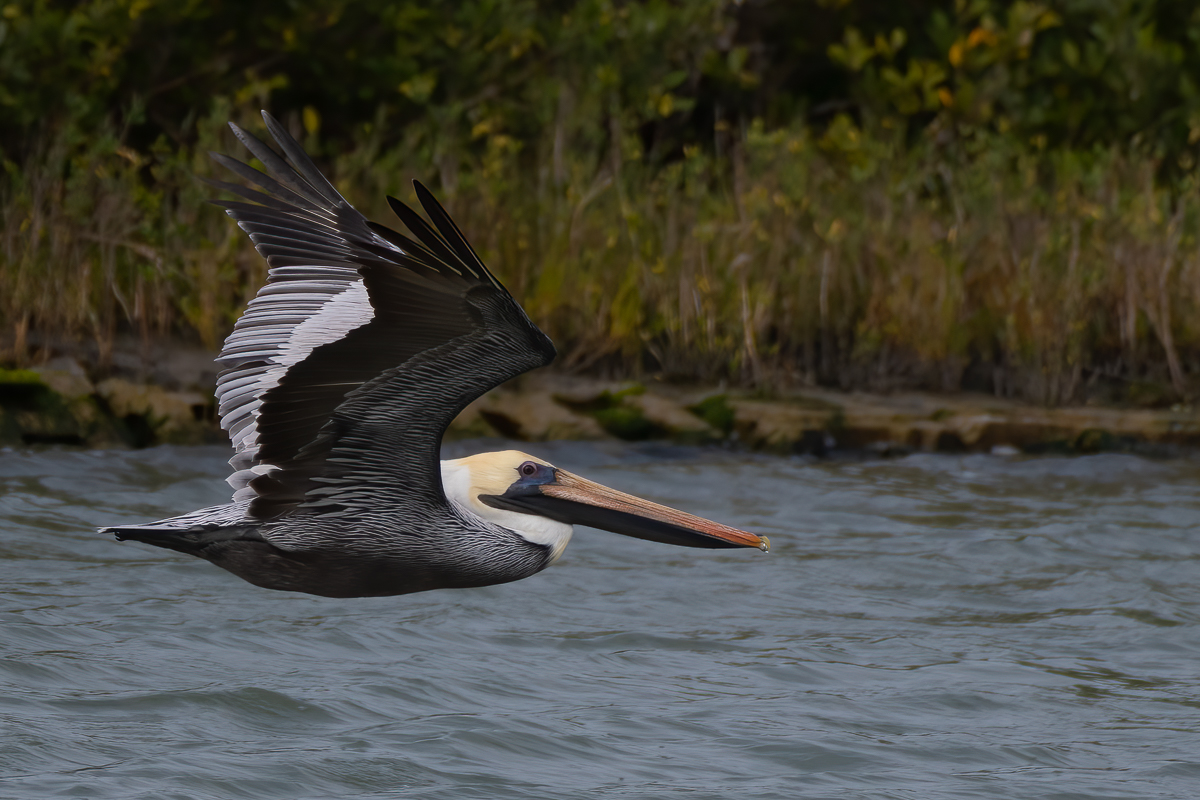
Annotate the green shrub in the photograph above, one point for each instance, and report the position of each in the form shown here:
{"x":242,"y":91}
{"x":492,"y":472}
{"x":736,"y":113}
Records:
{"x":858,"y":193}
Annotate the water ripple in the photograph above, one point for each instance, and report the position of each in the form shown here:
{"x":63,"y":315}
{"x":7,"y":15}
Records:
{"x":928,"y":628}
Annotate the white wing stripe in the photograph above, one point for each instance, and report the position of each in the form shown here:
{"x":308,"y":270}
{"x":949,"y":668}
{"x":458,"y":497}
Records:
{"x":343,"y":313}
{"x":283,"y":324}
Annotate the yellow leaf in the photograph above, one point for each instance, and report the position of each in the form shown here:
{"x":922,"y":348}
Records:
{"x":956,"y":54}
{"x":312,"y":120}
{"x":981,"y":36}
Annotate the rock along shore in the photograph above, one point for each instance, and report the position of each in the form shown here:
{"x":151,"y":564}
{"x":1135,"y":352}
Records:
{"x":57,"y":403}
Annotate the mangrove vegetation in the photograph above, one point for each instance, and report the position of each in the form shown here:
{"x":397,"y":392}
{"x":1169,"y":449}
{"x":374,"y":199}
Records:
{"x":992,"y":195}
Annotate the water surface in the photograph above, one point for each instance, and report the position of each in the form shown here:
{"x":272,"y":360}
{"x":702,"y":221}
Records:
{"x":928,"y":627}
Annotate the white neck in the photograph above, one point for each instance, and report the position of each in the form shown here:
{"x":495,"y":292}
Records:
{"x":463,"y":492}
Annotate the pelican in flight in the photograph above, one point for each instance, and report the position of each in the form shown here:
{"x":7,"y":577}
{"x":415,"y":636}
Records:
{"x":339,"y":381}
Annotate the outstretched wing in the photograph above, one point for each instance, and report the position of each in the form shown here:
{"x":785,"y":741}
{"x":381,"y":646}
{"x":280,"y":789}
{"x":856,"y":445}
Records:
{"x":345,"y":370}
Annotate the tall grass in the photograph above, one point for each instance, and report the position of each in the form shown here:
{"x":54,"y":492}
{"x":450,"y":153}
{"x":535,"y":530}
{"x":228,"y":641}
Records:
{"x":777,"y":258}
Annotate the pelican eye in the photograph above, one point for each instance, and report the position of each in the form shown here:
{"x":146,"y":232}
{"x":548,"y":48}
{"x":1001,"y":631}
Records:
{"x":528,"y":469}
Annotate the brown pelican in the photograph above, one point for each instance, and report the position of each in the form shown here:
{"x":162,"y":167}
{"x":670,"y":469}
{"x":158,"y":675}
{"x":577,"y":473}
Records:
{"x":339,"y":381}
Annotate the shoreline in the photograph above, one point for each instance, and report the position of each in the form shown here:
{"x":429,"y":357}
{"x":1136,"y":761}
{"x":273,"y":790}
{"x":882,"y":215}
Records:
{"x":57,"y":403}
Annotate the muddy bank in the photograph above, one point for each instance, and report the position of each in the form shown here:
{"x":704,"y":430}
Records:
{"x":817,"y":421}
{"x":58,"y":403}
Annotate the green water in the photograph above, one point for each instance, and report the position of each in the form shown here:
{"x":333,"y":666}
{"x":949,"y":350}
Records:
{"x":925,"y":628}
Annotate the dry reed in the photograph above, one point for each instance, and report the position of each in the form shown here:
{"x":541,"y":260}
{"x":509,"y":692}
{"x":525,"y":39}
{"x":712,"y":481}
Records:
{"x":848,"y":260}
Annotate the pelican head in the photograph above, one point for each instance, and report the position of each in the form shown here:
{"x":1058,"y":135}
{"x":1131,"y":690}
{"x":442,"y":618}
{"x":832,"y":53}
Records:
{"x":542,"y":502}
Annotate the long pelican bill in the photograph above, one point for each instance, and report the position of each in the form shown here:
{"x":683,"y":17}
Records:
{"x":578,"y":501}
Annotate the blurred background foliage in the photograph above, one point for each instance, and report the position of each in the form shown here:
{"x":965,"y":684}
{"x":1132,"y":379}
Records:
{"x":997,"y":195}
